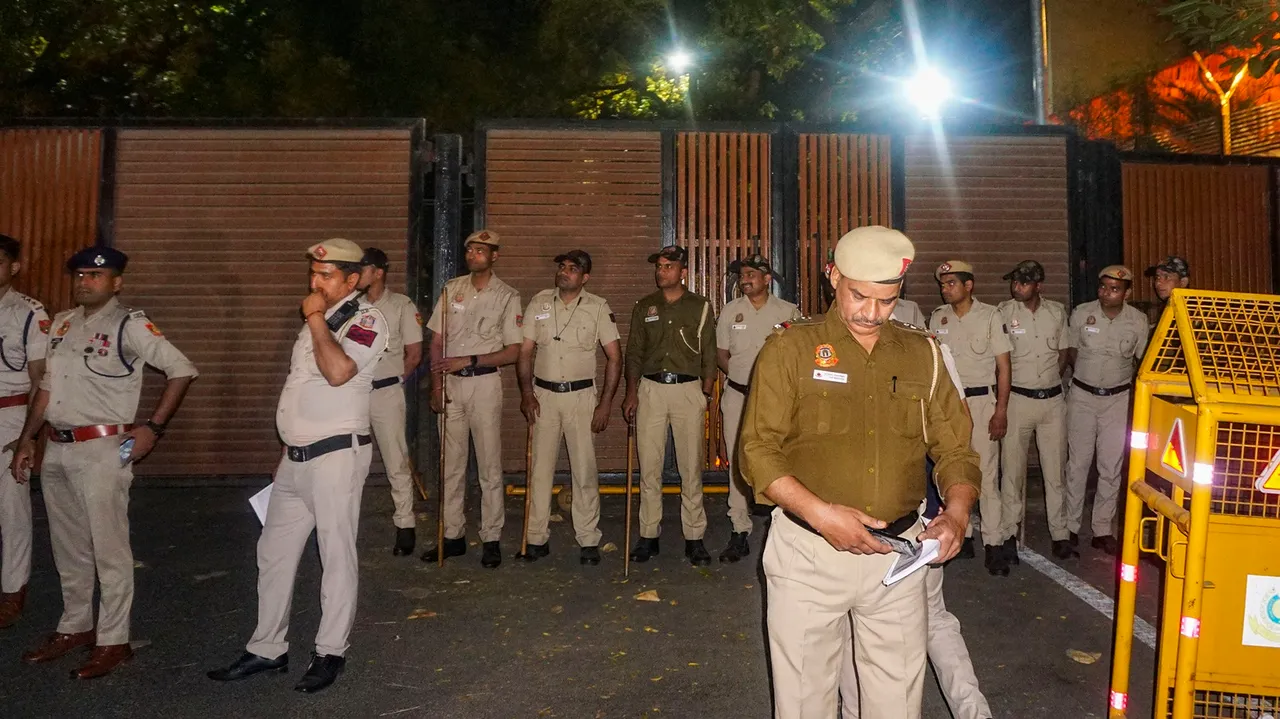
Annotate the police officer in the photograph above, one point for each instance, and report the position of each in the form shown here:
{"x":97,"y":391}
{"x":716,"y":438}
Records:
{"x":837,"y":425}
{"x":1106,"y":339}
{"x":1170,"y":273}
{"x":671,"y":365}
{"x":744,"y":325}
{"x":1037,"y":330}
{"x":24,"y":330}
{"x":557,"y":369}
{"x":323,"y":418}
{"x":387,"y":408}
{"x":908,"y":312}
{"x":89,"y":396}
{"x":484,"y":327}
{"x":977,"y":338}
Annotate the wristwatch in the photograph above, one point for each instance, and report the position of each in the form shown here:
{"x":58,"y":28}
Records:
{"x":156,"y":428}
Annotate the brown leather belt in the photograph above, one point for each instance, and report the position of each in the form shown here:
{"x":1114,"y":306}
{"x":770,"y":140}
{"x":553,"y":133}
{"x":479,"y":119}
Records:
{"x":742,"y":388}
{"x":84,"y":434}
{"x":13,"y":400}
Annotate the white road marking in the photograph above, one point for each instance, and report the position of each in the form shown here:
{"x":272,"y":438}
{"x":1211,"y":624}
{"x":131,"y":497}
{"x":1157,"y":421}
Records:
{"x":1142,"y":630}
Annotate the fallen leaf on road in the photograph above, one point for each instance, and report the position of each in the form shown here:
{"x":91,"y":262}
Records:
{"x":648,"y":596}
{"x":655,"y":679}
{"x":673,"y":602}
{"x":556,"y":518}
{"x":651,"y":630}
{"x":463,"y":581}
{"x":210,"y":575}
{"x":421,"y":614}
{"x":1084,"y":657}
{"x":557,"y":609}
{"x":609,"y":547}
{"x":694,"y":664}
{"x":139,"y":564}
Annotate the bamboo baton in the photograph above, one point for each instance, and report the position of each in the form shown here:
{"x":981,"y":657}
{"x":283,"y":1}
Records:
{"x":626,"y":548}
{"x":528,"y":494}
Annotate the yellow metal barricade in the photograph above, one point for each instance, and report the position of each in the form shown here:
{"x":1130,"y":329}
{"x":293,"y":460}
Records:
{"x":1206,"y":423}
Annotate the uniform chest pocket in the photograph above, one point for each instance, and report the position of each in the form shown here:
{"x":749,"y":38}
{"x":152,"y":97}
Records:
{"x":489,"y":323}
{"x":980,"y":343}
{"x":824,"y":412}
{"x":1128,"y":344}
{"x":1053,"y":341}
{"x":1022,"y":343}
{"x":906,"y":410}
{"x":583,"y":337}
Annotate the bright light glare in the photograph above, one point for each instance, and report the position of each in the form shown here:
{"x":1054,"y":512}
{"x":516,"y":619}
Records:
{"x":679,"y":61}
{"x":928,"y":90}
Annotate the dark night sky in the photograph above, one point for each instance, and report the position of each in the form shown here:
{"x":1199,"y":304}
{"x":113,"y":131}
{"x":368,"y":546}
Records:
{"x":985,"y":46}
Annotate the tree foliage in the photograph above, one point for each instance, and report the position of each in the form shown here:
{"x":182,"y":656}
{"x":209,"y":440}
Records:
{"x":1252,"y":26}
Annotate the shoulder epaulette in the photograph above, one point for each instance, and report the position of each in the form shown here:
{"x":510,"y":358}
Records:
{"x":137,"y":314}
{"x":908,"y":327}
{"x":784,"y":326}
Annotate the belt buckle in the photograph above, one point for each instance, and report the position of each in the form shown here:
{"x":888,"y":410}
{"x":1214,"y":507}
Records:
{"x":297,"y":454}
{"x":64,"y":435}
{"x":668,"y":377}
{"x":562,"y":387}
{"x":1041,"y":394}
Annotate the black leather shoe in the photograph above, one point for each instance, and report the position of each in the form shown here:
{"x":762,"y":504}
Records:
{"x":491,"y":557}
{"x":452,"y":548}
{"x":1010,"y":548}
{"x":995,"y":562}
{"x":405,"y":539}
{"x":696,"y":553}
{"x":1074,"y":539}
{"x":1106,"y":543}
{"x":966,"y":549}
{"x":249,"y":664}
{"x":589,"y":555}
{"x":324,"y":670}
{"x":1062,"y":549}
{"x":645,"y":547}
{"x":534,"y":552}
{"x":737,"y":549}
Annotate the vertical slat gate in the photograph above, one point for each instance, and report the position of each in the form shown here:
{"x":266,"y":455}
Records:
{"x":723,"y":214}
{"x":844,"y":183}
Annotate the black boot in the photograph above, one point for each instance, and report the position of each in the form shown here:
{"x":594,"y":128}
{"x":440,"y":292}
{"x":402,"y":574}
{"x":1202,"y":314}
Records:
{"x":696,"y":552}
{"x":248,"y":665}
{"x":491,"y":556}
{"x":1062,"y":549}
{"x":589,"y":556}
{"x":1106,"y":543}
{"x":995,"y":562}
{"x":324,"y":670}
{"x":737,"y":549}
{"x":452,"y":548}
{"x":534,"y":552}
{"x":1011,"y":551}
{"x":406,"y":538}
{"x":966,"y":549}
{"x":645,"y":547}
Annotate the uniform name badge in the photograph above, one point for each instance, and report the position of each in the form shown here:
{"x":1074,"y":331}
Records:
{"x":941,"y":332}
{"x":1018,"y":332}
{"x":739,"y":327}
{"x":826,"y":376}
{"x":458,"y":306}
{"x":542,"y":317}
{"x":1094,"y":330}
{"x":652,"y":318}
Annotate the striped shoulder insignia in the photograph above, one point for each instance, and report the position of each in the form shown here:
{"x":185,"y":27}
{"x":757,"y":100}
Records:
{"x":907,"y":326}
{"x":784,"y":326}
{"x":138,"y":314}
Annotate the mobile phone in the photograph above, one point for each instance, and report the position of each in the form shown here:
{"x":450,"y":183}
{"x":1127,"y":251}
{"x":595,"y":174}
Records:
{"x":898,"y":544}
{"x":126,"y":451}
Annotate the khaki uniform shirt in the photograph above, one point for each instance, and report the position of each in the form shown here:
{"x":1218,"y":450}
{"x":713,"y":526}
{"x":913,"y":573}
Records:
{"x":679,"y":337}
{"x":975,"y":341}
{"x":854,"y":427}
{"x":908,"y":312}
{"x":24,"y":337}
{"x":1106,"y":350}
{"x":567,"y":335}
{"x":480,"y":321}
{"x":742,"y":330}
{"x":91,"y":370}
{"x":310,"y":409}
{"x":404,"y":327}
{"x":1036,"y":338}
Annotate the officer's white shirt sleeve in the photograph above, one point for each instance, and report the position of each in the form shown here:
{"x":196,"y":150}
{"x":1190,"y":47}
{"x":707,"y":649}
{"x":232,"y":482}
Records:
{"x":36,"y":340}
{"x":606,"y":325}
{"x":530,"y":328}
{"x":1071,"y":338}
{"x":433,"y":323}
{"x":410,"y":323}
{"x":723,"y":328}
{"x":512,"y":322}
{"x":364,"y":337}
{"x":1000,"y":344}
{"x":143,"y":340}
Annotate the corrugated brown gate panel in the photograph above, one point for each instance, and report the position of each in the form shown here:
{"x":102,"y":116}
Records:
{"x":215,"y":223}
{"x":49,"y":181}
{"x":844,"y":183}
{"x":992,"y":201}
{"x":551,"y":191}
{"x":1217,"y":217}
{"x":722,"y":213}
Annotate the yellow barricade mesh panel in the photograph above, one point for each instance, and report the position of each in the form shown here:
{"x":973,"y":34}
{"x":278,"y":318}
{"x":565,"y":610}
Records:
{"x":1210,"y":704}
{"x":1168,"y":353}
{"x":1237,"y":340}
{"x":1244,"y":452}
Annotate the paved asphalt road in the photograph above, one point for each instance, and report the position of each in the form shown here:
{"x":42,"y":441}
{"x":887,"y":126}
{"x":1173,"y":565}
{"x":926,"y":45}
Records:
{"x":550,"y":639}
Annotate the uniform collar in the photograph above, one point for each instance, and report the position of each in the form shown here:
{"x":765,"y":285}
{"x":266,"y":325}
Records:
{"x":329,"y":312}
{"x":107,"y":309}
{"x":836,"y":326}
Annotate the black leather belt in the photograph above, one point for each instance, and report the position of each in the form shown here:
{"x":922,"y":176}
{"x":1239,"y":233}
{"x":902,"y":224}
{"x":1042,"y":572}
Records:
{"x":1102,"y":391}
{"x":475,"y":371}
{"x":671,"y":378}
{"x":562,"y":387}
{"x":976,"y":391}
{"x":1049,"y":393}
{"x":896,"y":527}
{"x":742,"y":388}
{"x":385,"y":382}
{"x":324,"y":446}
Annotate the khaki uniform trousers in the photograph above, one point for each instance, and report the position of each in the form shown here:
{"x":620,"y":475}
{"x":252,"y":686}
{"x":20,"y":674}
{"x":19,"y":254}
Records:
{"x":731,"y":404}
{"x":15,"y":510}
{"x":814,"y":592}
{"x":475,"y":409}
{"x":322,"y":494}
{"x":387,"y":415}
{"x":568,"y":414}
{"x":1095,"y":424}
{"x":86,"y":494}
{"x":982,"y":408}
{"x":1047,"y":418}
{"x":947,"y":652}
{"x":683,"y":408}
